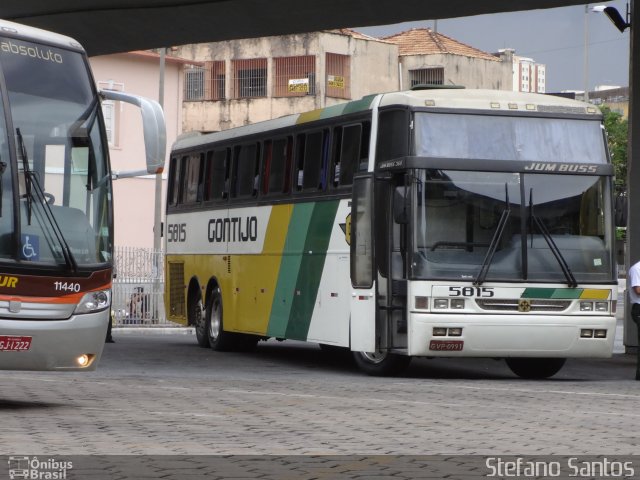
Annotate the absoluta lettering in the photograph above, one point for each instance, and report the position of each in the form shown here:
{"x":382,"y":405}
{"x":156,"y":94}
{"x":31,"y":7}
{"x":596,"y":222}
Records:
{"x":31,"y":51}
{"x":234,"y":229}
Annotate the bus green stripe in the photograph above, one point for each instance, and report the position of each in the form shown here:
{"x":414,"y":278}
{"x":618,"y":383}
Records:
{"x":289,"y":268}
{"x":311,"y":268}
{"x":556,"y":293}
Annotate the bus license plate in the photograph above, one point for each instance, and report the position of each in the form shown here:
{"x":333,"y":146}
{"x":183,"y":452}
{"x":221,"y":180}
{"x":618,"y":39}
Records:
{"x":446,"y":345}
{"x":13,"y":343}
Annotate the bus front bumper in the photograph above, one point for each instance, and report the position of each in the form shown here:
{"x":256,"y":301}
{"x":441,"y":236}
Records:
{"x":74,"y":344}
{"x":510,"y":336}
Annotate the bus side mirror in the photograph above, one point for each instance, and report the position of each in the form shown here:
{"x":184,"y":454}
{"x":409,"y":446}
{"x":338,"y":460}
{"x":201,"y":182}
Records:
{"x":153,"y":126}
{"x":401,"y":206}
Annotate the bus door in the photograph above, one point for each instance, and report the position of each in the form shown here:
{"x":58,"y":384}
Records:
{"x":363,"y":291}
{"x":391,"y":236}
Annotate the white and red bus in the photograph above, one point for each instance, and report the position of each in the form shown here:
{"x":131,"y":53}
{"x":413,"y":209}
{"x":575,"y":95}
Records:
{"x":56,"y":216}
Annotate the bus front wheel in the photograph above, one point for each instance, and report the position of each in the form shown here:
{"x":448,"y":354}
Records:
{"x":381,"y":363}
{"x":535,"y":368}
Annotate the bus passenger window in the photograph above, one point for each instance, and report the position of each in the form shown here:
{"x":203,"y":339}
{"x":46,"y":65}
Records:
{"x":266,"y":166}
{"x":191,"y":178}
{"x":280,"y":166}
{"x":182,"y":179}
{"x":393,"y":135}
{"x":246,"y":174}
{"x":349,"y":153}
{"x":173,"y":181}
{"x":312,"y":156}
{"x":218,"y":174}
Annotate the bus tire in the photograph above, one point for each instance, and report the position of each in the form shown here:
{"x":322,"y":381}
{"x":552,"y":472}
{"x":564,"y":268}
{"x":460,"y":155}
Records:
{"x":381,"y":364}
{"x":198,"y":320}
{"x":535,"y":368}
{"x":219,"y":340}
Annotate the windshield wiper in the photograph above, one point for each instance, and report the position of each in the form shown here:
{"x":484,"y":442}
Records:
{"x":564,"y":266}
{"x":3,"y":167}
{"x":33,"y":184}
{"x":497,"y":235}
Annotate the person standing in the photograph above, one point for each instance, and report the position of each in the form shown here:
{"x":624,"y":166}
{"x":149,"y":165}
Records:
{"x":633,"y":285}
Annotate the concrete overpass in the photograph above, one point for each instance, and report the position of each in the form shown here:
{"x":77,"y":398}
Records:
{"x":109,"y":26}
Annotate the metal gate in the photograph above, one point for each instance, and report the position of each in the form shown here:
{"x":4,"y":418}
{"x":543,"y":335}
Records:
{"x":138,"y":287}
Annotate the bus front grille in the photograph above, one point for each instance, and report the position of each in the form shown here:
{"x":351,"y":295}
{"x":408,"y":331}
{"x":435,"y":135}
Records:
{"x":522,"y":305}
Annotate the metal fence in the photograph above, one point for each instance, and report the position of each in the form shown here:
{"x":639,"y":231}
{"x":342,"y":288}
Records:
{"x":138,"y":287}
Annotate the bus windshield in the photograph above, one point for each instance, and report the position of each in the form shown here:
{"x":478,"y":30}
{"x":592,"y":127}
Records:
{"x":509,"y":138}
{"x":55,"y":186}
{"x":459,"y":216}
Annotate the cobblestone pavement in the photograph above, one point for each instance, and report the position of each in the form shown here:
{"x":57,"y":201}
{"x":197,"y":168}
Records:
{"x":161,"y":394}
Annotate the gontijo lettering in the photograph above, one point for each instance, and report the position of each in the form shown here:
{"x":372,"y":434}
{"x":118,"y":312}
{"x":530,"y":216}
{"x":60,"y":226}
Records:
{"x":8,"y":282}
{"x":234,"y":229}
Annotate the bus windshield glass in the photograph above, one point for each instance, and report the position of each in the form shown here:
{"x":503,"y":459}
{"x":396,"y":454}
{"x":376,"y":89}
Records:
{"x":460,"y":216}
{"x":509,"y":138}
{"x":52,"y":144}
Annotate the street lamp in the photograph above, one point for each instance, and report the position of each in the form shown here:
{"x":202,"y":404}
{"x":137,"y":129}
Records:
{"x":614,"y":15}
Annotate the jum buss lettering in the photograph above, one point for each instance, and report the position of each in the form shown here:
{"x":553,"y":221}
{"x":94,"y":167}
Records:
{"x":234,"y":229}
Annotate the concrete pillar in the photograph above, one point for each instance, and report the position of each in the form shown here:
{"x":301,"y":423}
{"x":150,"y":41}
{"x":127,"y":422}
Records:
{"x":633,"y":167}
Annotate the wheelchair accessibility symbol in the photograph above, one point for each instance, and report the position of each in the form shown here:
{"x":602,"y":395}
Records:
{"x":30,"y":247}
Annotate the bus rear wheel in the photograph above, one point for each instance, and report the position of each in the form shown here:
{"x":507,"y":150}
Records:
{"x":535,"y":368}
{"x":219,"y":340}
{"x":198,"y":320}
{"x":381,"y":363}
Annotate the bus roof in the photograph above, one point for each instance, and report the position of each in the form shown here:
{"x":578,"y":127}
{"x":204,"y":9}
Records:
{"x":487,"y":100}
{"x":17,"y":30}
{"x":458,"y":98}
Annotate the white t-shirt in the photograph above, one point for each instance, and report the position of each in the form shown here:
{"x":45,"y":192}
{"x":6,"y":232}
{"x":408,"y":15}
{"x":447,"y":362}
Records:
{"x":633,"y":280}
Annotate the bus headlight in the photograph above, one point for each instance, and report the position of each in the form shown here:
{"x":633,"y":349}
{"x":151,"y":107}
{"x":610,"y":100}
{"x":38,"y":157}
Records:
{"x":94,"y":302}
{"x":441,"y":303}
{"x":602,"y":306}
{"x":586,"y":306}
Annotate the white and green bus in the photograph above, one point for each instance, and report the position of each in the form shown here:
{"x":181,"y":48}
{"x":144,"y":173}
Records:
{"x":431,"y":223}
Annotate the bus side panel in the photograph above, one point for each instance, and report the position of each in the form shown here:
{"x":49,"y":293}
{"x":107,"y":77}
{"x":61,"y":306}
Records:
{"x":330,"y":319}
{"x":254,"y":277}
{"x":301,"y":269}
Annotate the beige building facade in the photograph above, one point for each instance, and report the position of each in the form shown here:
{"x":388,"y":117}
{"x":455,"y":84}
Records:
{"x":429,"y":57}
{"x":136,"y":73}
{"x":239,"y":82}
{"x":234,"y":83}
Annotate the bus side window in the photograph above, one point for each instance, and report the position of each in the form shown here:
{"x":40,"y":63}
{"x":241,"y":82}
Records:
{"x":350,"y":152}
{"x":266,"y":166}
{"x":191,"y":178}
{"x":173,"y":181}
{"x":393,"y":135}
{"x":280,"y":167}
{"x":218,"y":174}
{"x":182,"y":179}
{"x":311,"y":171}
{"x":245,"y":178}
{"x":299,"y":172}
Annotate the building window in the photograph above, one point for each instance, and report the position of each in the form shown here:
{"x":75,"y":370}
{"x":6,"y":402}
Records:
{"x":205,"y":82}
{"x":194,"y":83}
{"x":111,"y":113}
{"x":249,"y":78}
{"x":294,"y":76}
{"x":426,"y":76}
{"x":338,"y":69}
